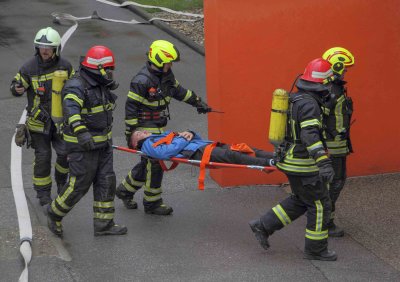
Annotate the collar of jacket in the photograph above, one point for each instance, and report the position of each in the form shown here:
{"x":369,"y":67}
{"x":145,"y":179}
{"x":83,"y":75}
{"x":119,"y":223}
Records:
{"x":302,"y":93}
{"x":158,"y":72}
{"x":48,"y":64}
{"x":339,"y":82}
{"x":140,"y":143}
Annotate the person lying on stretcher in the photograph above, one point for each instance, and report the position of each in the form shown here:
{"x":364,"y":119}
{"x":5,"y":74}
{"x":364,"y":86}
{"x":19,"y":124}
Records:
{"x":189,"y":145}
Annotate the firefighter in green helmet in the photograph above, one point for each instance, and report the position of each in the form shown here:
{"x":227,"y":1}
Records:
{"x":35,"y":78}
{"x":147,"y":108}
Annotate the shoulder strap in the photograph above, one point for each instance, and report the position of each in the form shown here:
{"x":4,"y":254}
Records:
{"x":165,"y":140}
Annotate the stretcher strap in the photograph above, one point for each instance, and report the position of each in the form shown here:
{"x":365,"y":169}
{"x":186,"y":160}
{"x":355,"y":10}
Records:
{"x":243,"y":148}
{"x":204,"y":161}
{"x":165,"y":168}
{"x":165,"y":140}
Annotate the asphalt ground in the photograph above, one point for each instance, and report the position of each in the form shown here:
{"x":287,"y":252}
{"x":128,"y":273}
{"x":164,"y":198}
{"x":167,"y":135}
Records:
{"x":207,"y":238}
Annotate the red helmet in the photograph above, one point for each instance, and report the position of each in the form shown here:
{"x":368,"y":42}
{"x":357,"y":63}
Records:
{"x":99,"y":56}
{"x":318,"y":70}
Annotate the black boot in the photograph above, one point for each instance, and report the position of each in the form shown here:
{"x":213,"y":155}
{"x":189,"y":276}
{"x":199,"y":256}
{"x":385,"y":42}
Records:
{"x":334,"y":230}
{"x":326,"y":255}
{"x":60,"y":187}
{"x":162,"y":209}
{"x":44,"y":198}
{"x":55,"y":226}
{"x":126,"y":198}
{"x":260,"y":233}
{"x":130,"y":204}
{"x":102,"y":228}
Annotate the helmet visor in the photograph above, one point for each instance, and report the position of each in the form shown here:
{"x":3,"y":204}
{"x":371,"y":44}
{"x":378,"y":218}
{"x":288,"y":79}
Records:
{"x":43,"y":46}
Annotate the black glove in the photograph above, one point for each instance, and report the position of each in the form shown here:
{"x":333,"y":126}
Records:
{"x":202,"y":108}
{"x":326,"y":172}
{"x":85,"y":140}
{"x":20,"y":135}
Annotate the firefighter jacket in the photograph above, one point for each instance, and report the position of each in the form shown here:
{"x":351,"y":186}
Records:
{"x":174,"y":149}
{"x":305,"y":145}
{"x":337,"y":117}
{"x":148,"y":99}
{"x":36,"y":77}
{"x":88,"y":106}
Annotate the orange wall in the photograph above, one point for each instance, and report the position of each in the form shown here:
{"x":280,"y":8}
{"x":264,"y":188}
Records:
{"x":256,"y":46}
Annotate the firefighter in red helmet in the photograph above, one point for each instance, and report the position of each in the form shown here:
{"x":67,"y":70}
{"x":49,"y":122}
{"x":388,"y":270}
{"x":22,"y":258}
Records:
{"x":88,"y":109}
{"x":307,"y":166}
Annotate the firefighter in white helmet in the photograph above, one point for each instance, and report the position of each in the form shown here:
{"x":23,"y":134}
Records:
{"x":35,"y":78}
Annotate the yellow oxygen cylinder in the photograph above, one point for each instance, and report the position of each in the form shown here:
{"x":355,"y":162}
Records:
{"x":277,"y":126}
{"x":59,"y":78}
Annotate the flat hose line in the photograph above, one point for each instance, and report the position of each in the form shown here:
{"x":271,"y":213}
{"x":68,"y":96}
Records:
{"x":24,"y":220}
{"x":60,"y":18}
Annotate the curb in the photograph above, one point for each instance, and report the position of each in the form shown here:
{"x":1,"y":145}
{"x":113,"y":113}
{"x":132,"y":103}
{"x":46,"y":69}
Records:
{"x":165,"y":27}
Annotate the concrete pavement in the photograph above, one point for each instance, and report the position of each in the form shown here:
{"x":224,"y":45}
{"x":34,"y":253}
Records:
{"x":207,"y":238}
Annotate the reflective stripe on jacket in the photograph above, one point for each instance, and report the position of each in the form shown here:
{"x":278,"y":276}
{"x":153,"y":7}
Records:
{"x":305,"y":127}
{"x":337,"y":121}
{"x":35,"y":75}
{"x":141,"y":101}
{"x":88,"y":106}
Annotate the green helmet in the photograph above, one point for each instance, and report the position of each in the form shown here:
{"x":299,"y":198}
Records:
{"x":162,"y":52}
{"x":48,"y":37}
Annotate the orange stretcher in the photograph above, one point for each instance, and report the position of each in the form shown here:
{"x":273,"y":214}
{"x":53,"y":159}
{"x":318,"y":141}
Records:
{"x":211,"y":165}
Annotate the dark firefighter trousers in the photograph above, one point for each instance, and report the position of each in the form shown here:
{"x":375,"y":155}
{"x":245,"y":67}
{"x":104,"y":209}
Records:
{"x":308,"y":196}
{"x":223,"y":154}
{"x":87,"y":168}
{"x":42,"y":145}
{"x":147,"y":172}
{"x":339,"y":166}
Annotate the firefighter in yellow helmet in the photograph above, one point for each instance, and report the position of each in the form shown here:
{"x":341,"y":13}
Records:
{"x":337,"y":116}
{"x":307,"y":167}
{"x":147,"y":108}
{"x":35,"y":78}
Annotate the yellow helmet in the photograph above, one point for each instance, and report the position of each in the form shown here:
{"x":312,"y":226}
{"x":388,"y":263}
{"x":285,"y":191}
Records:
{"x":162,"y":52}
{"x":339,"y":58}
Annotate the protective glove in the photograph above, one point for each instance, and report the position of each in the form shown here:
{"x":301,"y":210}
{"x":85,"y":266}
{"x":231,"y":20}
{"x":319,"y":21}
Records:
{"x":20,"y":135}
{"x":202,"y":108}
{"x":326,"y":172}
{"x":85,"y":140}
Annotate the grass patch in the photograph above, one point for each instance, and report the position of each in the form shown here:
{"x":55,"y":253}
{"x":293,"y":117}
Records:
{"x":178,"y":5}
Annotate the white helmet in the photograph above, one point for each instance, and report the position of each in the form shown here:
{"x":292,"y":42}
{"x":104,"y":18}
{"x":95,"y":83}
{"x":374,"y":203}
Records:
{"x":48,"y":37}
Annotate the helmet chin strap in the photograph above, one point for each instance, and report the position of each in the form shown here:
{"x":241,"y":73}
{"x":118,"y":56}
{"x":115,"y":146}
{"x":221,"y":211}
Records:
{"x":156,"y":68}
{"x":329,"y":79}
